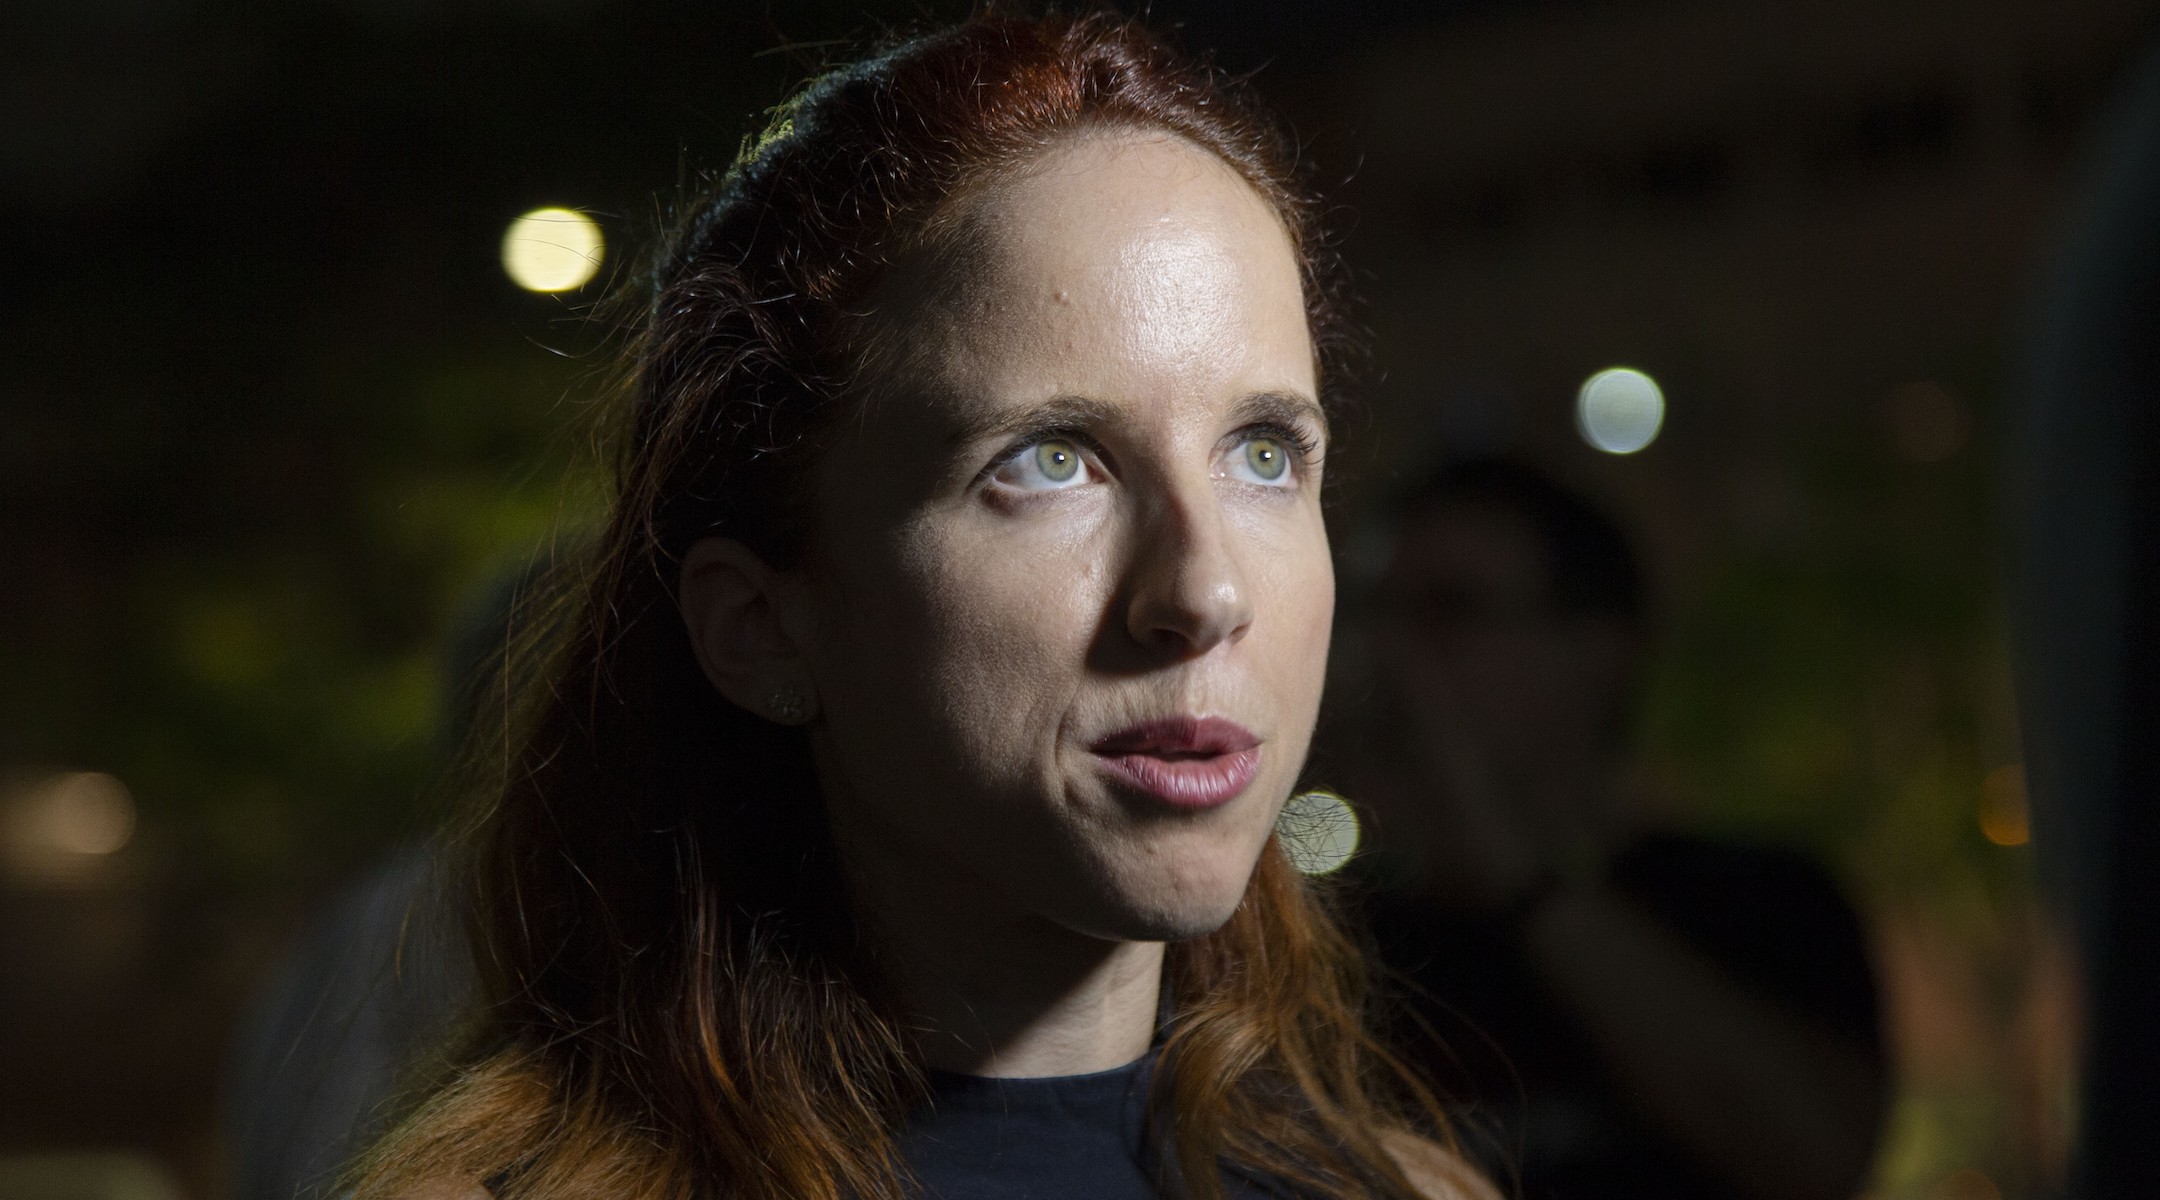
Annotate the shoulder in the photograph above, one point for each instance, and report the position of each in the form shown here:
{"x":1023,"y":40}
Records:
{"x":1437,"y":1172}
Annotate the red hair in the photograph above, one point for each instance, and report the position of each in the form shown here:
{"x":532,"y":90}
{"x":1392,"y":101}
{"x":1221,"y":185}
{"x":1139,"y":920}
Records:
{"x":676,"y":1003}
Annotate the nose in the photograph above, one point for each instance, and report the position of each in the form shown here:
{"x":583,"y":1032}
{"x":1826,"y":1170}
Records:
{"x":1188,"y":592}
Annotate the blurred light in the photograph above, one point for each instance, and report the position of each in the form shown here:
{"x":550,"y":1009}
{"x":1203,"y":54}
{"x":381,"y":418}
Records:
{"x":1619,"y":410}
{"x":61,"y":826}
{"x":1965,"y":1184}
{"x":1925,"y":422}
{"x":1318,"y":830}
{"x":82,"y":812}
{"x":2003,"y":816}
{"x":551,"y":250}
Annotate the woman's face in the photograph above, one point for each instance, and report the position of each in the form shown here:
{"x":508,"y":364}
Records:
{"x":1071,"y":585}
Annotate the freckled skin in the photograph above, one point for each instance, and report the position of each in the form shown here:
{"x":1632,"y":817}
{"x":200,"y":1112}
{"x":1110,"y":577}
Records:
{"x":974,"y":639}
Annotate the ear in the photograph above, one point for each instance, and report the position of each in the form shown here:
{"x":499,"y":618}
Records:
{"x":747,"y":624}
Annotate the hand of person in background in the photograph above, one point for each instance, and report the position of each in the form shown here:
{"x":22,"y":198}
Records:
{"x":1472,"y":850}
{"x":1504,"y":774}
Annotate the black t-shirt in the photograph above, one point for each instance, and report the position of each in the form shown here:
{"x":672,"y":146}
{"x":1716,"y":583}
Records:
{"x":1532,"y":1090}
{"x":1072,"y":1137}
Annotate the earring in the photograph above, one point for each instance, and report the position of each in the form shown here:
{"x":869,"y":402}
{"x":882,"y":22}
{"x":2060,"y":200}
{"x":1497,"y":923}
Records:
{"x":787,"y":706}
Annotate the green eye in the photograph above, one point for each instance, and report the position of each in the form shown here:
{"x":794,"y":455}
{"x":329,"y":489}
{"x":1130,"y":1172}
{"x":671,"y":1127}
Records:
{"x":1051,"y":465}
{"x":1058,"y":461}
{"x":1267,"y":458}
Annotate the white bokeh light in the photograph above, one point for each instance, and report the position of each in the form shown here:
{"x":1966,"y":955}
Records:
{"x":1318,"y":830}
{"x":1619,"y":410}
{"x":551,"y":250}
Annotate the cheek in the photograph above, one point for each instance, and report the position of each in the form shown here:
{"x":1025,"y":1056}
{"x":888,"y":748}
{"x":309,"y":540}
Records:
{"x":1294,"y":593}
{"x":961,"y":653}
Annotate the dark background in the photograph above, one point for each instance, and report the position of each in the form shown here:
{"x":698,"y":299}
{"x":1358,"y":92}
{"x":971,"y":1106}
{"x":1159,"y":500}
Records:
{"x":272,"y":418}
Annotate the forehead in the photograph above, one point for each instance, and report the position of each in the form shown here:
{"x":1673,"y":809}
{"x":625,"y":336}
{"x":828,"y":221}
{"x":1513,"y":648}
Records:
{"x":1117,"y":265}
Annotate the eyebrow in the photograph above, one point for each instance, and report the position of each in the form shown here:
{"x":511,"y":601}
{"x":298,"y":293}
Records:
{"x":1283,"y":408}
{"x":1057,"y":413}
{"x":1069,"y":412}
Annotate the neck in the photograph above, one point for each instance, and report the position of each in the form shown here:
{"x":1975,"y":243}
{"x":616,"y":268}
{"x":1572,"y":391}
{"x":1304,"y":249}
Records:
{"x":995,"y":991}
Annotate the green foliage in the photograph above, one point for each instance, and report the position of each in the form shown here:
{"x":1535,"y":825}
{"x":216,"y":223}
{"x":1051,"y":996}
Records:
{"x":1839,"y":678}
{"x":271,"y":680}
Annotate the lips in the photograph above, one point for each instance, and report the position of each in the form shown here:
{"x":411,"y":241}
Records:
{"x":1185,"y":762}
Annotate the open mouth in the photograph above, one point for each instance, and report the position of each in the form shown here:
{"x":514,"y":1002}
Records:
{"x":1186,"y":762}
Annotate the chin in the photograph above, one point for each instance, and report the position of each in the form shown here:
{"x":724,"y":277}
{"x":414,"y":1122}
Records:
{"x":1149,"y":905}
{"x":1156,"y":925}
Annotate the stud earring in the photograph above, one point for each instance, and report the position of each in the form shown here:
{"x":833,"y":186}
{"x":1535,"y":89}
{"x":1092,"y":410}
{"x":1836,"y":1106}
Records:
{"x":787,"y":706}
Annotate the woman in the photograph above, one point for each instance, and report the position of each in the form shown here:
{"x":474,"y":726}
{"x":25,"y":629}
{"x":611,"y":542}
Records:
{"x":897,"y":812}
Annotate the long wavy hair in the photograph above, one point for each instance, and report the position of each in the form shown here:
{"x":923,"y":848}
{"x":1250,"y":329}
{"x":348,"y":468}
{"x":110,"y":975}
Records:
{"x":675,"y":1000}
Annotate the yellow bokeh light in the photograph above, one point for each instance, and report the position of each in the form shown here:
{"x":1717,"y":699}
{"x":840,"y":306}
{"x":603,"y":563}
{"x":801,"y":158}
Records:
{"x":1318,"y":831}
{"x":2003,"y":816}
{"x":88,"y":812}
{"x":552,"y":250}
{"x":59,"y":827}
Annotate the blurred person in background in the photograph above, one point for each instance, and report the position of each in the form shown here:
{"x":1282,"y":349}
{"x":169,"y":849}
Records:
{"x":360,"y":1010}
{"x":349,"y":1021}
{"x":1630,"y":1011}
